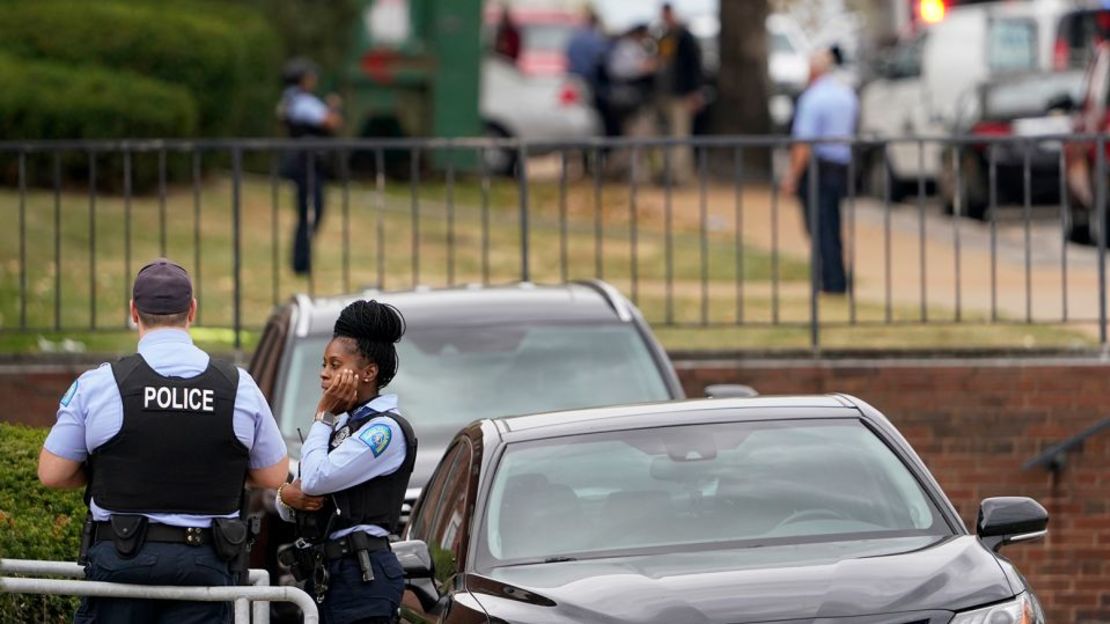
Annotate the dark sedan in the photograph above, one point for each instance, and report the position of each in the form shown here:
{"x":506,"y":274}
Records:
{"x":727,"y":511}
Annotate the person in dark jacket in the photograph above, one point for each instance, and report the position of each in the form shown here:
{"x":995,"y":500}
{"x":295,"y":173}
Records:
{"x":679,"y":83}
{"x":354,"y":470}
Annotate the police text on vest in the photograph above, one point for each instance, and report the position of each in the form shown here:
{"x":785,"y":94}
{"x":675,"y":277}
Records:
{"x":192,"y":399}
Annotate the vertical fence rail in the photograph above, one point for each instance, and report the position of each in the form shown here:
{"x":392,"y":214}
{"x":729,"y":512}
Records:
{"x":485,"y":184}
{"x":414,"y":190}
{"x":703,"y":231}
{"x":1065,"y":221}
{"x":1100,"y":214}
{"x":852,"y":236}
{"x":522,"y":198}
{"x":633,"y":220}
{"x":345,"y":175}
{"x":921,"y":234}
{"x":775,"y":269}
{"x":599,"y":215}
{"x":1027,"y":214}
{"x":162,"y":202}
{"x":961,"y":198}
{"x":57,"y":241}
{"x":22,"y":239}
{"x":275,"y":249}
{"x":237,"y":246}
{"x":563,"y":269}
{"x":450,"y":218}
{"x":815,"y":262}
{"x":197,"y":270}
{"x":668,"y":242}
{"x":379,"y":213}
{"x":92,"y":240}
{"x":738,"y":181}
{"x":127,"y":237}
{"x":888,"y":279}
{"x":992,"y":209}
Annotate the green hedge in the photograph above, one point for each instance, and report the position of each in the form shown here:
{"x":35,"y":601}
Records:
{"x":43,"y":99}
{"x":35,"y":523}
{"x":227,"y":57}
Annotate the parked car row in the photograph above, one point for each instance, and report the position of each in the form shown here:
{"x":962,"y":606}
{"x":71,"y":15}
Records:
{"x":653,"y":509}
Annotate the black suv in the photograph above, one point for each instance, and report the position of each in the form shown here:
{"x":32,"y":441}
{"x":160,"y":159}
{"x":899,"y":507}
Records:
{"x":471,"y":353}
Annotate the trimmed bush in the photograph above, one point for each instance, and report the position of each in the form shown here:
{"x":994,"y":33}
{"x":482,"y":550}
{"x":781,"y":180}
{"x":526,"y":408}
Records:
{"x":227,"y":57}
{"x":35,"y":523}
{"x":43,"y":99}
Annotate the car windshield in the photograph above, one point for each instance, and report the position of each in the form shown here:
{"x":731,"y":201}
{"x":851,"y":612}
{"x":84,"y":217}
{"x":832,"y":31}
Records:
{"x":450,"y":376}
{"x":1012,"y":45}
{"x":543,"y":37}
{"x":701,"y":486}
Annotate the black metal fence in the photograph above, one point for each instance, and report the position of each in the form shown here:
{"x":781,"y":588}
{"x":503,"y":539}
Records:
{"x":719,"y":247}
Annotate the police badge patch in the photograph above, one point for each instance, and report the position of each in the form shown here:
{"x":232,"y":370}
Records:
{"x":377,"y":437}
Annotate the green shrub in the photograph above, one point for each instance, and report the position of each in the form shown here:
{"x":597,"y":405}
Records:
{"x":48,"y":100}
{"x":227,"y":57}
{"x":43,"y":99}
{"x":35,"y":523}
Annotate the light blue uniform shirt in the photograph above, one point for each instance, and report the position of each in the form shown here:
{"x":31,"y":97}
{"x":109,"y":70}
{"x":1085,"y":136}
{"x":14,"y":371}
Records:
{"x":91,"y":413}
{"x":377,"y":449}
{"x":827,"y":109}
{"x":303,"y":107}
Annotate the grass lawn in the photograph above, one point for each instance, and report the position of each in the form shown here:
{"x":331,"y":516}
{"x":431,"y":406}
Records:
{"x":697,"y":264}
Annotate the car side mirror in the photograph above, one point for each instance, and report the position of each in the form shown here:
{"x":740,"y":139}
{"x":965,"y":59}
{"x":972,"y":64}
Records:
{"x":1009,"y":520}
{"x":416,"y":562}
{"x":729,"y":391}
{"x":1061,"y":102}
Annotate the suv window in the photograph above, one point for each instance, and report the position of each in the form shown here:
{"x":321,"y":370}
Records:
{"x":905,"y":60}
{"x":450,"y":376}
{"x":1011,"y":45}
{"x":440,"y":519}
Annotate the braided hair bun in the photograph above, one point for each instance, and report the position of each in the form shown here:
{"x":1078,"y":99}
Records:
{"x":374,"y":327}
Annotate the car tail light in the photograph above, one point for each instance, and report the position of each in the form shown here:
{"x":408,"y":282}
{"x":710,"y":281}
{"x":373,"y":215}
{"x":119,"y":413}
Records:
{"x":569,"y":94}
{"x":1060,"y":54}
{"x":992,"y":128}
{"x":931,"y":11}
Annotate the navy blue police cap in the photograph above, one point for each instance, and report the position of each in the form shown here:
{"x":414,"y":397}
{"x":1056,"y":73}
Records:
{"x":162,"y":287}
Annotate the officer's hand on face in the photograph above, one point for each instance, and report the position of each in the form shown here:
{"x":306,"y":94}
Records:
{"x":341,"y":393}
{"x":292,"y":496}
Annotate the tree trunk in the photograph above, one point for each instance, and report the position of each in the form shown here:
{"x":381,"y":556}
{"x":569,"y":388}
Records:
{"x":742,"y":82}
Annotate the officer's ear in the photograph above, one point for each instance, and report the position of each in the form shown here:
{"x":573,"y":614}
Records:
{"x":192,"y":312}
{"x":369,"y":374}
{"x":134,"y":313}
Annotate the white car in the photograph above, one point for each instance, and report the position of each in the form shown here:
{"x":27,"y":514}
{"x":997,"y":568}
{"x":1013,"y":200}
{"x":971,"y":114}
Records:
{"x":532,"y":106}
{"x":921,"y":80}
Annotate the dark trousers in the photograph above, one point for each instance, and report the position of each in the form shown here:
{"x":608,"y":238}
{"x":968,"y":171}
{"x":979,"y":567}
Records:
{"x":154,"y":564}
{"x":832,"y":186}
{"x":310,"y":211}
{"x":350,"y":600}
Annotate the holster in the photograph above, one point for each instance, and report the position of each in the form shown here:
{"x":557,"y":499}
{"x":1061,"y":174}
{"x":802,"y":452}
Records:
{"x":232,"y":539}
{"x":128,"y":533}
{"x":87,"y":533}
{"x":306,"y":562}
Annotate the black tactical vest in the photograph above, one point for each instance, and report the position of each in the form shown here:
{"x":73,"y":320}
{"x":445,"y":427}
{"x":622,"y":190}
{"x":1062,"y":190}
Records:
{"x":377,"y":501}
{"x":176,"y":451}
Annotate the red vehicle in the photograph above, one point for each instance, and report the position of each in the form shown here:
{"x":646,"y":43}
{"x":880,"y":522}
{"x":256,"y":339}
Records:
{"x":1091,"y":116}
{"x":543,"y":35}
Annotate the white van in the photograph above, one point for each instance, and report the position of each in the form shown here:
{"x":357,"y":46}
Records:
{"x":921,"y":79}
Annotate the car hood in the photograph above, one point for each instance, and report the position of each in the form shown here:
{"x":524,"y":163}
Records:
{"x":799,"y":582}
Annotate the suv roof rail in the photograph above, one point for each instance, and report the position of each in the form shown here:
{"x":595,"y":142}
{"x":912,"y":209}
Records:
{"x":304,"y":303}
{"x":611,"y":295}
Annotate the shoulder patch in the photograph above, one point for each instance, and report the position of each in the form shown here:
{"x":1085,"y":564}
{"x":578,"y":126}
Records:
{"x":377,"y":437}
{"x":72,"y":392}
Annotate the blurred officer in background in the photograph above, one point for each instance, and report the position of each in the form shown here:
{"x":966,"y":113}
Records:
{"x":163,"y":441}
{"x":827,"y":109}
{"x":306,"y":116}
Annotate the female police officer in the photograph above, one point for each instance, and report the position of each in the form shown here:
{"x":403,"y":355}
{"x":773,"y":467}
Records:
{"x":354,"y":470}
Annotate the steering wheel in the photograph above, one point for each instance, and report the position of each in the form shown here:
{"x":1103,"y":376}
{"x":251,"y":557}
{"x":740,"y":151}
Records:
{"x":812,"y":514}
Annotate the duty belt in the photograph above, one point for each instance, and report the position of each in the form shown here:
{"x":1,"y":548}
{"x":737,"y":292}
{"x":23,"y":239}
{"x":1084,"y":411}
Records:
{"x":346,"y":546}
{"x":193,"y":536}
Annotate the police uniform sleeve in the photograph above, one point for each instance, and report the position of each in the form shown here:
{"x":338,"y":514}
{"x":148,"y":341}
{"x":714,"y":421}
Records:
{"x":67,"y":437}
{"x":806,"y":117}
{"x":377,"y":449}
{"x":255,"y":425}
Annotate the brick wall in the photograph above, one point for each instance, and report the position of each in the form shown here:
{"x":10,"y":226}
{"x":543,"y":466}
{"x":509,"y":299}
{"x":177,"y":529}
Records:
{"x":975,"y":422}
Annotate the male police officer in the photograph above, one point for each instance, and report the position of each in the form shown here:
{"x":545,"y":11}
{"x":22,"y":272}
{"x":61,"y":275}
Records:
{"x":164,"y":441}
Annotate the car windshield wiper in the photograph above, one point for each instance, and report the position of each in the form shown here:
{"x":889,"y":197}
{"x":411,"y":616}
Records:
{"x":559,"y":559}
